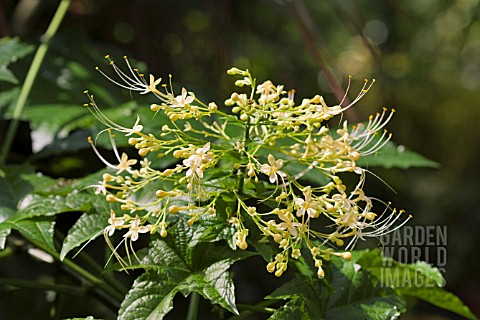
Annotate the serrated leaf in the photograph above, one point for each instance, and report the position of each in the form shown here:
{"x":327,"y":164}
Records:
{"x":419,"y":280}
{"x":175,"y":266}
{"x":87,"y":227}
{"x":212,"y":229}
{"x":293,"y":309}
{"x":151,"y":297}
{"x":39,"y":231}
{"x":351,"y":294}
{"x":393,"y":156}
{"x":35,"y":205}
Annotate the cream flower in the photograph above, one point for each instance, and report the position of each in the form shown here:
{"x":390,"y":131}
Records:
{"x":152,"y":87}
{"x":125,"y":164}
{"x":307,"y":205}
{"x":114,"y":223}
{"x":197,"y":161}
{"x":135,"y":229}
{"x":181,"y":100}
{"x":272,"y":170}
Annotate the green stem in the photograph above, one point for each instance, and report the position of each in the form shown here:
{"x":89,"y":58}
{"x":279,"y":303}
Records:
{"x":248,"y":310}
{"x":80,"y":271}
{"x":193,"y":306}
{"x":20,"y":283}
{"x":241,"y":177}
{"x":31,"y":75}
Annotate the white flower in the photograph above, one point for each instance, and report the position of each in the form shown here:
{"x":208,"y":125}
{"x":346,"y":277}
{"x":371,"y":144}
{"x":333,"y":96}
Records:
{"x":197,"y":161}
{"x":135,"y":229}
{"x":273,"y":169}
{"x":114,"y":223}
{"x":182,"y":100}
{"x":125,"y":163}
{"x":152,"y":87}
{"x":307,"y":206}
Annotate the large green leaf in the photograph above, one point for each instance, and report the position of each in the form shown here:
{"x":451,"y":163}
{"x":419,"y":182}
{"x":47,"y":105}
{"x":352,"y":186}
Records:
{"x":440,"y":298}
{"x":175,"y":266}
{"x":13,"y":187}
{"x":35,"y":205}
{"x":39,"y":231}
{"x":87,"y":227}
{"x":393,"y":156}
{"x":12,"y":49}
{"x":347,"y":292}
{"x":419,"y":280}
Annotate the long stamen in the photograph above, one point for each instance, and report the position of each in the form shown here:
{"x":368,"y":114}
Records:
{"x":108,"y":164}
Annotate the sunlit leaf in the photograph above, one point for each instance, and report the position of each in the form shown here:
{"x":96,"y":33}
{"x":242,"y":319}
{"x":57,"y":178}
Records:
{"x":39,"y":231}
{"x":393,"y":156}
{"x":87,"y":227}
{"x":419,"y":280}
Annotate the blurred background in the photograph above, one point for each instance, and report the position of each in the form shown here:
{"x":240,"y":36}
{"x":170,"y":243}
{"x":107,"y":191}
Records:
{"x":424,"y":55}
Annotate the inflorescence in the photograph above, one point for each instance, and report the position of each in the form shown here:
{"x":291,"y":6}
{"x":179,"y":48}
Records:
{"x":281,"y":142}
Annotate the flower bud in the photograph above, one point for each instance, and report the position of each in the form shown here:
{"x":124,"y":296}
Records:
{"x":346,"y":255}
{"x":155,"y":107}
{"x":271,"y":266}
{"x":233,"y":71}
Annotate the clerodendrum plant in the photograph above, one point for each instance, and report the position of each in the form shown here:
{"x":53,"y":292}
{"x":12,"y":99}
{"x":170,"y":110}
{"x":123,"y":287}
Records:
{"x":245,"y":164}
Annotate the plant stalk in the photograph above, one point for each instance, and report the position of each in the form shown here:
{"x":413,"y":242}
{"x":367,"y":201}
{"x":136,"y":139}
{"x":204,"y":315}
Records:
{"x":31,"y":76}
{"x":111,"y":291}
{"x":193,"y":306}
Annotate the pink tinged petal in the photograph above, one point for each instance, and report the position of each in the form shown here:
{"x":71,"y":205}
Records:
{"x":271,"y":160}
{"x":273,"y":177}
{"x":299,"y":201}
{"x":265,"y":169}
{"x":143,"y":229}
{"x":292,"y":231}
{"x":134,"y":236}
{"x":279,"y":163}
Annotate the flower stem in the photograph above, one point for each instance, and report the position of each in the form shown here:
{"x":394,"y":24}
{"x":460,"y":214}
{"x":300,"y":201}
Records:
{"x":111,"y":291}
{"x":193,"y":306}
{"x":31,"y":75}
{"x":41,"y":285}
{"x":241,"y":177}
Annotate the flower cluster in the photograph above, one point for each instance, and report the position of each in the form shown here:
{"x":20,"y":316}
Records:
{"x":266,"y":169}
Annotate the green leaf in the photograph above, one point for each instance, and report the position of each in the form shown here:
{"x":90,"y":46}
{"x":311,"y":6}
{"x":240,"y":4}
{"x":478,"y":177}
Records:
{"x":440,"y":298}
{"x":350,"y":293}
{"x":5,"y":230}
{"x":7,"y":75}
{"x":38,"y":231}
{"x":212,"y":229}
{"x":7,"y":97}
{"x":13,"y":187}
{"x":393,"y":156}
{"x":419,"y":280}
{"x":36,"y":205}
{"x":174,"y":265}
{"x":12,"y":49}
{"x":87,"y":227}
{"x":293,"y":309}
